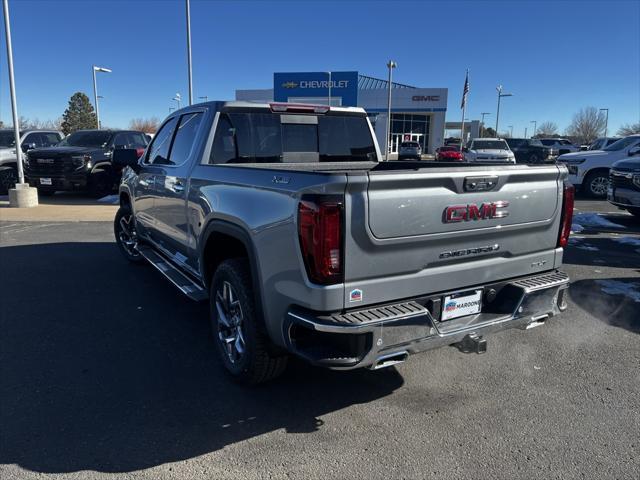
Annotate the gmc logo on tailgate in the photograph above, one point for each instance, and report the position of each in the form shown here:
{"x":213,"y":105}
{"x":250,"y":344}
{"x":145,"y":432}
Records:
{"x":466,"y":213}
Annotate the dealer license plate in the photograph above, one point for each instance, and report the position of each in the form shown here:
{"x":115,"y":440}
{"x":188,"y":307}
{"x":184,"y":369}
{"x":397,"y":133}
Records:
{"x":461,"y":304}
{"x":45,"y":181}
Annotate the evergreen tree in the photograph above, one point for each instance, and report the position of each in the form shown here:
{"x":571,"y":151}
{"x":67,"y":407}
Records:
{"x":79,"y":114}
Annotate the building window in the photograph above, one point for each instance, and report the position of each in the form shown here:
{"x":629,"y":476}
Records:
{"x":409,"y":127}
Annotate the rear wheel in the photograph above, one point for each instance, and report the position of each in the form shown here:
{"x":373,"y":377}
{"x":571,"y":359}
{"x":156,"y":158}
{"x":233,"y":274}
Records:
{"x":126,"y":236}
{"x":245,"y":351}
{"x":534,"y":158}
{"x":596,"y":184}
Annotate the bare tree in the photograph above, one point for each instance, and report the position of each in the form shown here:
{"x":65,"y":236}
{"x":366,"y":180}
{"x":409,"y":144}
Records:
{"x":146,"y":125}
{"x":629,"y":129}
{"x":587,"y":125}
{"x":547,"y":129}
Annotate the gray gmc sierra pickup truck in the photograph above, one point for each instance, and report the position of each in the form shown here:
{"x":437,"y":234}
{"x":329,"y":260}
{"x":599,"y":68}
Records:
{"x":305,"y":243}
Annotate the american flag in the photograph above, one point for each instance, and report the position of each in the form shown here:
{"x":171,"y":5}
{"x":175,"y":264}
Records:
{"x":465,"y":91}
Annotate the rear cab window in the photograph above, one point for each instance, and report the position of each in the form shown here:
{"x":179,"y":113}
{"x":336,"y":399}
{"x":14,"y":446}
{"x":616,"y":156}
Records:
{"x":258,"y":137}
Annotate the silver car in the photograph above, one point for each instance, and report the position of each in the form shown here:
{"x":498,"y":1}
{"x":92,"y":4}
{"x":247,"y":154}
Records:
{"x":409,"y":151}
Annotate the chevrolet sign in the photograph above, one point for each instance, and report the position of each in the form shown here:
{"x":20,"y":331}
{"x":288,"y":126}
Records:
{"x":289,"y":85}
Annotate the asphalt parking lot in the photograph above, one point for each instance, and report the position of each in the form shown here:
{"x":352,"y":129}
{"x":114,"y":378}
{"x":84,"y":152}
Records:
{"x":107,"y":371}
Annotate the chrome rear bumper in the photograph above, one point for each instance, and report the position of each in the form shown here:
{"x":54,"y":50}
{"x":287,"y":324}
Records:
{"x":384,"y":334}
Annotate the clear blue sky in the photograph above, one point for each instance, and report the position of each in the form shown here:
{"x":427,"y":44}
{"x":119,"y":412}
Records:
{"x":556,"y":57}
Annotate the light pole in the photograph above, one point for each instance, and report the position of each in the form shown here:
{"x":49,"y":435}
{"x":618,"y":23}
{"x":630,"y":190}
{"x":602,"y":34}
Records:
{"x":606,"y":121}
{"x":329,"y":88}
{"x":510,"y":127}
{"x":525,"y":132}
{"x":95,"y":69}
{"x":12,"y":87}
{"x":482,"y":123}
{"x":500,"y":95}
{"x":189,"y":51}
{"x":535,"y":127}
{"x":205,"y":98}
{"x":177,"y":98}
{"x":391,"y":65}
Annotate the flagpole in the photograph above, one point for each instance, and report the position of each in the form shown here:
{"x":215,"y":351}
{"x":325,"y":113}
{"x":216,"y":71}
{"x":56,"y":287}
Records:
{"x":464,"y":108}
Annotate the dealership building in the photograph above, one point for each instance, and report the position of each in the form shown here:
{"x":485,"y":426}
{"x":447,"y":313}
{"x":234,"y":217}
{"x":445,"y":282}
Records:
{"x":416,"y":113}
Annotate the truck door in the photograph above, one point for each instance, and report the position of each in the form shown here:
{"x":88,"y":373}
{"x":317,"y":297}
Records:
{"x":171,"y":187}
{"x":145,"y":193}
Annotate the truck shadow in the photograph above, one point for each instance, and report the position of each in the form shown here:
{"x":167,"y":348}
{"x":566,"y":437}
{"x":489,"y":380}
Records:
{"x":105,"y":367}
{"x":615,"y":301}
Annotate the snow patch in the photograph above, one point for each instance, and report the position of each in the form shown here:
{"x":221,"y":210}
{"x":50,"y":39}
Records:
{"x":582,"y":220}
{"x":615,"y":287}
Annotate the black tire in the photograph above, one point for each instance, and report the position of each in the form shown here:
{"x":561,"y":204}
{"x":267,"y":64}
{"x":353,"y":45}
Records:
{"x":98,"y":185}
{"x":534,"y":158}
{"x":8,"y":179}
{"x":257,"y":362}
{"x":126,"y":236}
{"x":596,"y":183}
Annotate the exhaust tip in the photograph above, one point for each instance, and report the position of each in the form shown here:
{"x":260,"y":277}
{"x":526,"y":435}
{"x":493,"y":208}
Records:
{"x":390,"y":360}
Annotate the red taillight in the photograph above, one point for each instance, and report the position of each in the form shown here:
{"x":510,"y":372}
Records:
{"x":568,"y":194}
{"x":320,"y":232}
{"x":139,"y":152}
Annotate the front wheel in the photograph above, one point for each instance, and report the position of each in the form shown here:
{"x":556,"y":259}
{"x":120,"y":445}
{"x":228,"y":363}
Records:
{"x":246,"y":352}
{"x":596,"y":184}
{"x":8,"y":179}
{"x":126,"y":236}
{"x":534,"y":158}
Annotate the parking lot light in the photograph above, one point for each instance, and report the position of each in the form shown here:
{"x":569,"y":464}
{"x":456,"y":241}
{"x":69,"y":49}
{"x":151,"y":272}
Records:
{"x":95,"y":69}
{"x":606,"y":121}
{"x":391,"y":65}
{"x":178,"y":98}
{"x":500,"y":95}
{"x":511,"y":128}
{"x":482,"y":123}
{"x":535,"y":127}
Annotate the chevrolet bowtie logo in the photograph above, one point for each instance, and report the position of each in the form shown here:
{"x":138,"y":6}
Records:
{"x":289,"y":85}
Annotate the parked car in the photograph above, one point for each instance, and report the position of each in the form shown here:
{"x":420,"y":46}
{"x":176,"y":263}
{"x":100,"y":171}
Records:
{"x":488,"y":150}
{"x":410,"y":151}
{"x":82,"y":161}
{"x":624,"y":185}
{"x":531,"y":150}
{"x":590,"y":170}
{"x":29,"y":139}
{"x":449,"y":154}
{"x":305,"y":244}
{"x":560,"y":145}
{"x":603,"y":142}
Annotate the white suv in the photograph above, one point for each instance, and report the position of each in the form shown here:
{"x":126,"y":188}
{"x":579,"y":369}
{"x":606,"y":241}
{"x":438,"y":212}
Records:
{"x":590,"y":170}
{"x":488,"y":150}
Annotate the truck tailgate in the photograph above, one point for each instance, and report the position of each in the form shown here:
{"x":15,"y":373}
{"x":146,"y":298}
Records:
{"x":437,"y":229}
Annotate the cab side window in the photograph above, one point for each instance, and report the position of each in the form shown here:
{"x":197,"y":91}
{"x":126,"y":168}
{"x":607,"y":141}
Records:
{"x":184,"y":140}
{"x":159,"y":150}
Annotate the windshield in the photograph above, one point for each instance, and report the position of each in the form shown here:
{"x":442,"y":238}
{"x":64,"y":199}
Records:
{"x":7,"y":139}
{"x":548,"y":142}
{"x":489,"y":145}
{"x":622,"y":144}
{"x":90,"y":138}
{"x":410,"y":144}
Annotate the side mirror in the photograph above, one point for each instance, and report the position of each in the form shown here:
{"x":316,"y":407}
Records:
{"x":28,"y":146}
{"x":634,"y":151}
{"x":126,"y":157}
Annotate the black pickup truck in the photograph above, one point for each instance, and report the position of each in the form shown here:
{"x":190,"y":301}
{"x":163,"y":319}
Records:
{"x":82,"y":161}
{"x":531,"y":150}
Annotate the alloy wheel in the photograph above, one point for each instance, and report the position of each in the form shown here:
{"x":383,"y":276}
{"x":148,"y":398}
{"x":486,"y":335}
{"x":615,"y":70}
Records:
{"x":599,"y":186}
{"x":230,"y":322}
{"x":127,"y":235}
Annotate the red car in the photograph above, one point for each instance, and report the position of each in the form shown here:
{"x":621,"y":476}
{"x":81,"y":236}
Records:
{"x":449,"y":154}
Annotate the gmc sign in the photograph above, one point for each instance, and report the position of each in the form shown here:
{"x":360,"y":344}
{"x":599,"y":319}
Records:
{"x":466,"y":213}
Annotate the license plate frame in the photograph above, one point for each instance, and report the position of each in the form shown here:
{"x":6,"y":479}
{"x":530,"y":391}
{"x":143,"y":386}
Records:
{"x":45,"y":181}
{"x":461,"y":304}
